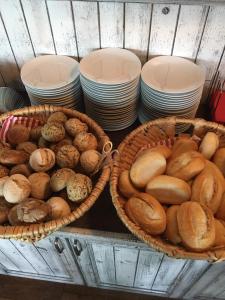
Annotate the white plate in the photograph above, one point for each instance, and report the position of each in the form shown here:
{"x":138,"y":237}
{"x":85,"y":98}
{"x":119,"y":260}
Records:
{"x":49,"y":71}
{"x":111,"y":66}
{"x":171,"y":74}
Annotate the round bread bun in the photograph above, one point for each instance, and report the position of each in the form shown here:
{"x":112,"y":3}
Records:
{"x":209,"y":144}
{"x":4,"y":210}
{"x":2,"y":182}
{"x":172,"y":232}
{"x":27,"y":147}
{"x":17,"y":134}
{"x":196,"y":226}
{"x":3,"y":171}
{"x":219,"y":159}
{"x":125,"y":185}
{"x":90,"y":160}
{"x":220,"y":214}
{"x":42,"y":160}
{"x":57,"y":117}
{"x":85,"y":141}
{"x":168,"y":190}
{"x":147,"y":166}
{"x":220,"y":233}
{"x":13,"y":157}
{"x":208,"y":189}
{"x":67,"y":156}
{"x":78,"y":187}
{"x":145,"y":211}
{"x":186,"y":165}
{"x":74,"y":126}
{"x":40,"y":185}
{"x":162,"y":149}
{"x":60,"y":178}
{"x":23,"y":169}
{"x":53,"y":132}
{"x":59,"y":208}
{"x":183,"y":144}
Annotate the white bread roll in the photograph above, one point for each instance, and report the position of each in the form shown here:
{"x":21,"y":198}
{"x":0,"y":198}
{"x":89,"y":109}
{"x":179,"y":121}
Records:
{"x":209,"y":144}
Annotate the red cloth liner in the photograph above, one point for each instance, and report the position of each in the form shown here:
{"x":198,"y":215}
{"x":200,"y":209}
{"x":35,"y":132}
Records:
{"x":11,"y":120}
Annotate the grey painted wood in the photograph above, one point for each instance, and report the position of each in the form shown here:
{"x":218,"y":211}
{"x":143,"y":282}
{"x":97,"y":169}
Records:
{"x":125,"y":265}
{"x":137,"y":26}
{"x":147,"y":268}
{"x":7,"y":264}
{"x":168,"y":272}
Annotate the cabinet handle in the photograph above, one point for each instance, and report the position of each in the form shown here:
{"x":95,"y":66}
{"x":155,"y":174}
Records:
{"x":59,"y":245}
{"x":77,"y":247}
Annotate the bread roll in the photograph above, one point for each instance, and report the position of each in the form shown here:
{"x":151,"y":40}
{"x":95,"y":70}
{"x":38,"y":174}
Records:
{"x":220,"y":214}
{"x":60,"y":179}
{"x":18,"y":134}
{"x":125,"y":185}
{"x":209,"y":144}
{"x":208,"y":188}
{"x":40,"y":185}
{"x":182,"y":145}
{"x":186,"y":165}
{"x":172,"y":232}
{"x":196,"y":226}
{"x":162,"y":149}
{"x":12,"y":157}
{"x":168,"y":190}
{"x":220,"y":233}
{"x":42,"y":160}
{"x":219,"y":159}
{"x":23,"y":169}
{"x":147,"y":166}
{"x":59,"y":208}
{"x":147,"y":212}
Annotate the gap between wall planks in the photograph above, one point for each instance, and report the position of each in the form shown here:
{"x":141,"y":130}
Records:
{"x":76,"y":28}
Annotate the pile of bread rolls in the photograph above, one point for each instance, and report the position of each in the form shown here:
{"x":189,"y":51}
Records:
{"x":46,"y":170}
{"x":179,"y":192}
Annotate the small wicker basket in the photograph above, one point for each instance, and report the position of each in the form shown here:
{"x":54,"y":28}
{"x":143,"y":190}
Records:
{"x":36,"y":232}
{"x":159,"y":132}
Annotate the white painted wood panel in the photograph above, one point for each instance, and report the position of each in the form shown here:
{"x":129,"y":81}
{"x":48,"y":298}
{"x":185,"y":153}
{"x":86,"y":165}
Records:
{"x":104,"y":260}
{"x":7,"y":264}
{"x":16,"y":28}
{"x":33,"y":256}
{"x":62,"y":26}
{"x":168,"y":272}
{"x":216,"y":286}
{"x":39,"y":27}
{"x":211,"y":274}
{"x":162,"y":30}
{"x":87,"y":29}
{"x":125,"y":264}
{"x":111,"y":24}
{"x":18,"y":258}
{"x":8,"y":66}
{"x":212,"y":43}
{"x":137,"y":25}
{"x":147,"y":268}
{"x":189,"y":33}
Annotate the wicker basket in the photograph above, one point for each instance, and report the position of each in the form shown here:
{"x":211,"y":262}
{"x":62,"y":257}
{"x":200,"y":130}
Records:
{"x":159,"y":131}
{"x":35,"y":232}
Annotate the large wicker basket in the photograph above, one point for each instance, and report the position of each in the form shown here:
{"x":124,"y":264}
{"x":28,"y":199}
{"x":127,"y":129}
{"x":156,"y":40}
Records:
{"x":37,"y":231}
{"x":151,"y":133}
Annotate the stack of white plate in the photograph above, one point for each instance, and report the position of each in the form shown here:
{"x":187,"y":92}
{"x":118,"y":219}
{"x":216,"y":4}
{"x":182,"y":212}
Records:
{"x":10,"y":99}
{"x":54,"y":80}
{"x":110,"y":83}
{"x":170,"y":86}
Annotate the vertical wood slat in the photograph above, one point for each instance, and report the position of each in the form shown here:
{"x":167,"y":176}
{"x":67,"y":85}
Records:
{"x":215,"y":287}
{"x":211,"y":274}
{"x":63,"y":28}
{"x":137,"y":25}
{"x":125,"y":264}
{"x":17,"y":258}
{"x":86,"y":23}
{"x":189,"y":33}
{"x":162,"y":30}
{"x":17,"y":31}
{"x":111,"y":24}
{"x":147,"y":268}
{"x":104,"y":260}
{"x":212,"y":43}
{"x":39,"y":27}
{"x":168,"y":272}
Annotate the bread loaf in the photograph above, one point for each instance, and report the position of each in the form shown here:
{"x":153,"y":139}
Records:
{"x":209,"y":144}
{"x":147,"y":212}
{"x":186,"y":165}
{"x":147,"y":166}
{"x":125,"y":185}
{"x":168,"y":190}
{"x":196,"y":226}
{"x":172,"y":232}
{"x":219,"y":159}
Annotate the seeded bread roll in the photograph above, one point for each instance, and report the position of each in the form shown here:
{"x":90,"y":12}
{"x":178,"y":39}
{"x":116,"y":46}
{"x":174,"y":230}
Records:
{"x":85,"y":141}
{"x":125,"y":185}
{"x":74,"y":126}
{"x":57,"y":117}
{"x":67,"y":156}
{"x":78,"y":187}
{"x":60,"y":179}
{"x":145,"y":211}
{"x":53,"y":132}
{"x":147,"y":166}
{"x":220,"y":233}
{"x":196,"y":226}
{"x":183,"y":144}
{"x":168,"y":190}
{"x":208,"y":188}
{"x":186,"y":165}
{"x":172,"y":232}
{"x":219,"y":160}
{"x":209,"y":145}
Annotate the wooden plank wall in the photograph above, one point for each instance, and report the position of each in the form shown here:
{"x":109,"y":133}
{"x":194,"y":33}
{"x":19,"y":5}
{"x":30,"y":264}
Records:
{"x":29,"y":28}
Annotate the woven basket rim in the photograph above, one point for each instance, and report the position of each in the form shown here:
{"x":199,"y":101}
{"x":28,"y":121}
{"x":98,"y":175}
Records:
{"x":214,"y":255}
{"x":36,"y":232}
